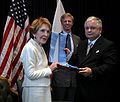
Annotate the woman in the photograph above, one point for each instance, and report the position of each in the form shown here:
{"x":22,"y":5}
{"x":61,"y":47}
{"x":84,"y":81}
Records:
{"x":36,"y":83}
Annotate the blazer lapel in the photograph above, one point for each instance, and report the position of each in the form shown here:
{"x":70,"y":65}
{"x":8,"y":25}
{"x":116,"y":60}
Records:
{"x":93,"y":50}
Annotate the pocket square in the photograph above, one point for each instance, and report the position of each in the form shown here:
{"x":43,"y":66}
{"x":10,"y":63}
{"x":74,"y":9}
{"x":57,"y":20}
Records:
{"x":97,"y":51}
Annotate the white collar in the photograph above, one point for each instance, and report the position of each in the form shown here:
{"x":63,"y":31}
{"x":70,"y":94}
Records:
{"x":93,"y":41}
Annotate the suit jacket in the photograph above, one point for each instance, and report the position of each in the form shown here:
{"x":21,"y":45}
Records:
{"x":35,"y":64}
{"x":63,"y":77}
{"x":101,"y":59}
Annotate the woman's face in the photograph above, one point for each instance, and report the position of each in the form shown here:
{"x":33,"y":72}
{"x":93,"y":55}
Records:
{"x":42,"y":34}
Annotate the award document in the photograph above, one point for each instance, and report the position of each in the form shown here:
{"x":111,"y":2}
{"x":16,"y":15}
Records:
{"x":57,"y":52}
{"x":66,"y":65}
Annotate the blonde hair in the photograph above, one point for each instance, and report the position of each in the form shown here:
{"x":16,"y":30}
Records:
{"x":66,"y":15}
{"x":37,"y":23}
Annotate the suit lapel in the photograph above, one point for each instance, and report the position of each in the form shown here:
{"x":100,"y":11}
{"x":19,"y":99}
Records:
{"x":74,"y":40}
{"x":93,"y":50}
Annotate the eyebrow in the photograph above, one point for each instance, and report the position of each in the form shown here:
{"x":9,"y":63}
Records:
{"x":43,"y":30}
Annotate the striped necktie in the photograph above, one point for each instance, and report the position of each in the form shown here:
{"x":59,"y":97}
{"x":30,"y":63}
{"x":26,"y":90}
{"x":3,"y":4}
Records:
{"x":90,"y":45}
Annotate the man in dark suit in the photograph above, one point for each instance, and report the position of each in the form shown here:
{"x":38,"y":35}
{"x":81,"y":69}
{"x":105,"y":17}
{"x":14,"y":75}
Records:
{"x":96,"y":65}
{"x":64,"y":79}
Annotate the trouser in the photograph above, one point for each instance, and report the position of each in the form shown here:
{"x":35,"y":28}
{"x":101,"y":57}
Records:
{"x":63,"y":94}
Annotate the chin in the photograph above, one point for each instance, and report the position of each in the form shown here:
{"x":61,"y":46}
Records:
{"x":43,"y":42}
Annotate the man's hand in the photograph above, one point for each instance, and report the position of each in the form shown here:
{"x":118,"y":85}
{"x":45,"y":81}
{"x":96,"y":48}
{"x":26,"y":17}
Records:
{"x":86,"y":71}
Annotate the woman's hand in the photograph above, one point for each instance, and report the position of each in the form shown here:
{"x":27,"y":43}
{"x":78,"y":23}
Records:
{"x":53,"y":66}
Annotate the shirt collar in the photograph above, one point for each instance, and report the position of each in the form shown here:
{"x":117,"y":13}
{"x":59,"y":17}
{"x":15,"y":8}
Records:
{"x":65,"y":33}
{"x":93,"y":41}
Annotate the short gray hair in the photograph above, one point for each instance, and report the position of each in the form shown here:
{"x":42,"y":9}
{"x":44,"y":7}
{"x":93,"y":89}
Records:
{"x":99,"y":21}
